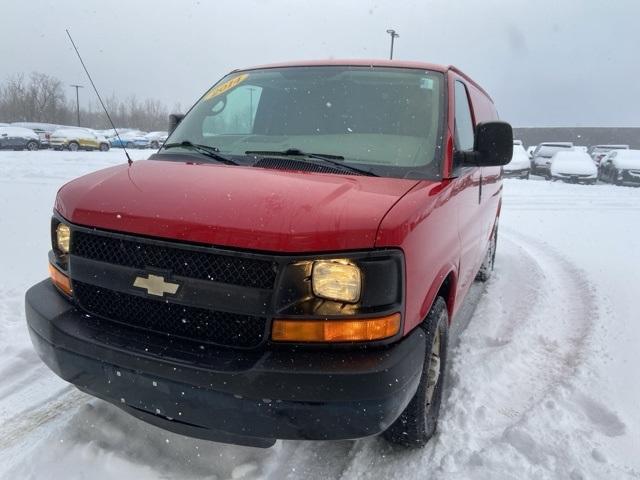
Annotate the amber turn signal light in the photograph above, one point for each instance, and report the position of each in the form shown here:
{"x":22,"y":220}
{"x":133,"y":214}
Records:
{"x":343,"y":330}
{"x":60,"y":280}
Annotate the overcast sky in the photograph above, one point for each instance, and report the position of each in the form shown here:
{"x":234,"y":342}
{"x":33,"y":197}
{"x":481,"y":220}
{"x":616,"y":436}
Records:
{"x":545,"y":62}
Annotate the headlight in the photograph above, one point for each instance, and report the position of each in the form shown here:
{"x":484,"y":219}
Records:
{"x":336,"y":280}
{"x":63,"y":237}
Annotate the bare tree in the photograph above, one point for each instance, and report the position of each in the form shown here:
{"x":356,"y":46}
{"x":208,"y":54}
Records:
{"x":41,"y":98}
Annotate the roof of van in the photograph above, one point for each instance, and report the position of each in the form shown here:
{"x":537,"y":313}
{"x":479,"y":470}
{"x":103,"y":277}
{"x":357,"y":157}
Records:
{"x":371,"y":63}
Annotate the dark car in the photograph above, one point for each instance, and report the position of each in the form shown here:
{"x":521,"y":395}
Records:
{"x":621,"y":167}
{"x":18,"y":138}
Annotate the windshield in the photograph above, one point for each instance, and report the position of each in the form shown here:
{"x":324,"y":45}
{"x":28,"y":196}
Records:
{"x":548,"y":151}
{"x":387,"y":120}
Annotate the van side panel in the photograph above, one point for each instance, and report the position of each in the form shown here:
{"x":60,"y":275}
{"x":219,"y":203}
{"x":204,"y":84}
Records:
{"x":490,"y":197}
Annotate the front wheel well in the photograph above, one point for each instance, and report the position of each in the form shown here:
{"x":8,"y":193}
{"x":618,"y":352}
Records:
{"x":447,"y":292}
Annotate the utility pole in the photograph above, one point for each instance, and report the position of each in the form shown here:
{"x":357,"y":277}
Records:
{"x":394,"y":35}
{"x":77,"y":87}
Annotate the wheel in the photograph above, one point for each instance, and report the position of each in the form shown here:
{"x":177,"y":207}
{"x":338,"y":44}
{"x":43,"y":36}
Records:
{"x":487,"y":265}
{"x":104,"y":147}
{"x":32,"y":145}
{"x":526,"y":177}
{"x":73,"y":146}
{"x":155,"y":145}
{"x":418,"y":422}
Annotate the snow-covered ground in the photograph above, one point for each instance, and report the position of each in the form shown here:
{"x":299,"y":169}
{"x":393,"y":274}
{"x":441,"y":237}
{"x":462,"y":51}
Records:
{"x":544,"y":382}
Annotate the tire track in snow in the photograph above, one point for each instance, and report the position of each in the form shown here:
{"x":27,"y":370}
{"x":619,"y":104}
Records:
{"x":20,"y":426}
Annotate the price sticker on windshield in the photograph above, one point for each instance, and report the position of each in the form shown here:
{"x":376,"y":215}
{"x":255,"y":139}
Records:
{"x":226,"y":86}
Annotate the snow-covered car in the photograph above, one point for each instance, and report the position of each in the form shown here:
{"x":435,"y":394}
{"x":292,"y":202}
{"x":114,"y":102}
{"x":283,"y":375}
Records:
{"x":519,"y":166}
{"x":573,"y":167}
{"x":598,"y":152}
{"x":156,"y":139}
{"x":130,"y":140}
{"x":75,"y":139}
{"x":18,"y":138}
{"x":541,"y":160}
{"x":621,"y":167}
{"x":44,"y":130}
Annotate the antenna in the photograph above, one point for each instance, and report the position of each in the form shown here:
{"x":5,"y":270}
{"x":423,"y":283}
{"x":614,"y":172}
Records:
{"x":99,"y":98}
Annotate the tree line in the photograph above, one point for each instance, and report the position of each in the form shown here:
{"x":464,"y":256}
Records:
{"x":41,"y":98}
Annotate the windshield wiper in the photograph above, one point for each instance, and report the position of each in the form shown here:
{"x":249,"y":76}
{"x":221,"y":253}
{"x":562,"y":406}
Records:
{"x":335,"y":160}
{"x":206,"y":150}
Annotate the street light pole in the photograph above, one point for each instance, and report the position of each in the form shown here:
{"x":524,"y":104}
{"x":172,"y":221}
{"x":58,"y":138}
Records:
{"x":77,"y":87}
{"x":394,"y":35}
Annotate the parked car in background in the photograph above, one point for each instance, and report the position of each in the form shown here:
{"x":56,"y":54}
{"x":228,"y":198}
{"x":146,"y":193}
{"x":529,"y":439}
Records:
{"x":110,"y":132}
{"x":581,"y":148}
{"x":130,"y":140}
{"x":18,"y":138}
{"x":44,"y":130}
{"x":598,"y":152}
{"x":156,"y":139}
{"x":621,"y":167}
{"x":573,"y":167}
{"x":541,"y":161}
{"x":520,"y":165}
{"x":74,"y":139}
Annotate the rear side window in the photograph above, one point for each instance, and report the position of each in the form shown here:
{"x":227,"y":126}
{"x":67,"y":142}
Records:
{"x":463,"y":121}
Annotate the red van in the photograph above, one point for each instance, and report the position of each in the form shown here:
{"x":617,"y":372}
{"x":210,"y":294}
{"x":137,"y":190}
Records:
{"x":288,"y":264}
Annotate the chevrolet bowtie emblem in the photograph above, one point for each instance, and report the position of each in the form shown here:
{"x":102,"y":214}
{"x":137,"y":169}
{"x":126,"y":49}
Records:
{"x":156,"y":285}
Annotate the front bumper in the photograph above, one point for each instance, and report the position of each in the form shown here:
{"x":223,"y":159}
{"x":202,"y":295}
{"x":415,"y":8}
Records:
{"x":522,"y":173}
{"x":226,"y":395}
{"x":568,"y":178}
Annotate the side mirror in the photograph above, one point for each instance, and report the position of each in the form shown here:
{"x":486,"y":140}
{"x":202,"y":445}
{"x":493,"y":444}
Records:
{"x":174,"y":120}
{"x":493,"y":145}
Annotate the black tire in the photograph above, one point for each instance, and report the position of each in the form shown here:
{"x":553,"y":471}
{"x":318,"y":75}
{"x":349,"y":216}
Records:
{"x":418,"y":422}
{"x":486,"y":269}
{"x":104,"y":147}
{"x":32,"y":146}
{"x":73,"y":146}
{"x":155,"y":145}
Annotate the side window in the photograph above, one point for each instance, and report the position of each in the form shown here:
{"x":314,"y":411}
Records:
{"x":463,"y":121}
{"x":238,"y":117}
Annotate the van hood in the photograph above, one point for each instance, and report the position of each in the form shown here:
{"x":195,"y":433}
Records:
{"x":233,"y":206}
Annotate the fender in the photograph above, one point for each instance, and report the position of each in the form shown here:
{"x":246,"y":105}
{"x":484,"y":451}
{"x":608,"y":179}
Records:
{"x":447,"y":271}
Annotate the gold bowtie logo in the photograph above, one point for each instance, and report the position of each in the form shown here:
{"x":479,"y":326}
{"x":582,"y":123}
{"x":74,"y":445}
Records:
{"x":156,"y":285}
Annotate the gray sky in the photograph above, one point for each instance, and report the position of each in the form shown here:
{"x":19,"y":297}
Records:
{"x":545,"y":62}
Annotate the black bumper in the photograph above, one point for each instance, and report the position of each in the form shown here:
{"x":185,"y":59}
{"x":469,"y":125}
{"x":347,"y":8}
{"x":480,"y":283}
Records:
{"x":241,"y":397}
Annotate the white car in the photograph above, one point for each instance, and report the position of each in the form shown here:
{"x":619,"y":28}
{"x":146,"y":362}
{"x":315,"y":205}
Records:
{"x":156,"y":139}
{"x":541,"y":158}
{"x":621,"y":167}
{"x":75,"y":139}
{"x":573,"y":167}
{"x":519,"y":166}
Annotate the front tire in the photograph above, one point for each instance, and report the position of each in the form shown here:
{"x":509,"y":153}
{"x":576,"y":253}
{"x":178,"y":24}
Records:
{"x":32,"y":146}
{"x":104,"y":147}
{"x":486,"y":269}
{"x":418,"y":422}
{"x":73,"y":147}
